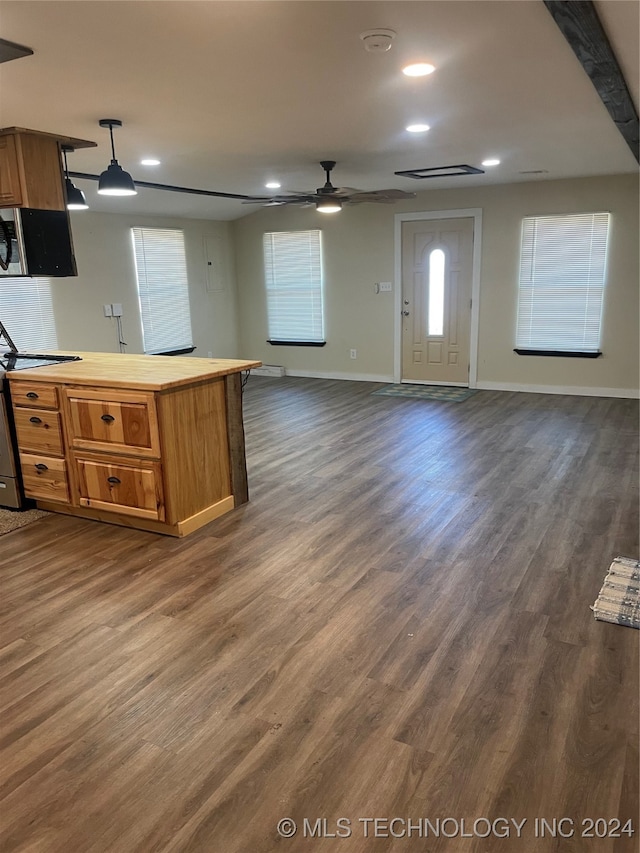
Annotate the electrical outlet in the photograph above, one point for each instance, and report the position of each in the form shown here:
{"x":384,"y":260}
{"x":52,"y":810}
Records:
{"x":209,"y":355}
{"x":108,"y":310}
{"x":353,"y":353}
{"x":117,"y":309}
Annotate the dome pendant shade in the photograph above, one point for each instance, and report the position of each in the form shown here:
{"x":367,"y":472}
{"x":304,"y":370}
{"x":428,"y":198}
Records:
{"x":115,"y":181}
{"x":75,"y":196}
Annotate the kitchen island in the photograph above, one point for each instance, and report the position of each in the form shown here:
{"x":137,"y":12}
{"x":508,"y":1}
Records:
{"x":153,"y":442}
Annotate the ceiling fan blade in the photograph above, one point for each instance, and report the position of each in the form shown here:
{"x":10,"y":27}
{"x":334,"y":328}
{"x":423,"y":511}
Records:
{"x":381,"y":195}
{"x":273,"y":201}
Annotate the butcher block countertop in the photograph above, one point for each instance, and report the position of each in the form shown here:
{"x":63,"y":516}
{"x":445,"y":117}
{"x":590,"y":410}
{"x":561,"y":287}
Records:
{"x":144,"y":372}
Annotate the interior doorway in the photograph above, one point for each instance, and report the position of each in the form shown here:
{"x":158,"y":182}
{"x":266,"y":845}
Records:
{"x":437,"y":260}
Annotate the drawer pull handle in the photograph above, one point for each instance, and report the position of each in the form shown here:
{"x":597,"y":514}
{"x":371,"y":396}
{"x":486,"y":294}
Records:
{"x":41,"y":466}
{"x":113,"y":480}
{"x":108,"y":418}
{"x":35,"y":420}
{"x":32,"y":395}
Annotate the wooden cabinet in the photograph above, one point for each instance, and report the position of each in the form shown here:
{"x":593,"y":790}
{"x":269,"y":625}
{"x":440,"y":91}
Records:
{"x":11,"y":192}
{"x":114,"y":435}
{"x":41,"y":444}
{"x":40,"y":395}
{"x":44,"y":477}
{"x":113,"y":420}
{"x":168,"y":458}
{"x":120,"y":485}
{"x":39,"y":431}
{"x":31,"y":173}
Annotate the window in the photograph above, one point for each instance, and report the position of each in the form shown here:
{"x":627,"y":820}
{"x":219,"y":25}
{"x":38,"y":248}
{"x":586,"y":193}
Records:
{"x":163,"y":289}
{"x":436,"y":292}
{"x":562,"y":276}
{"x":26,"y":311}
{"x":293,"y":278}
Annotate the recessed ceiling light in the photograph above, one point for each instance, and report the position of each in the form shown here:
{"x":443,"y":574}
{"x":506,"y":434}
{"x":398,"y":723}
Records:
{"x":418,"y":69}
{"x":150,"y":161}
{"x":417,"y":128}
{"x":491,"y":162}
{"x":273,"y":185}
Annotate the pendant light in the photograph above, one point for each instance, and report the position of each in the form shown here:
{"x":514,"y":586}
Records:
{"x":114,"y":180}
{"x":75,"y":197}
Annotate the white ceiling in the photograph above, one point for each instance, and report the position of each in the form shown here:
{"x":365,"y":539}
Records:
{"x":230,"y":94}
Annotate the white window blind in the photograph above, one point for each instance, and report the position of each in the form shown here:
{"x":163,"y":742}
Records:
{"x":562,"y":277}
{"x":26,"y":310}
{"x":293,"y":278}
{"x":163,"y":289}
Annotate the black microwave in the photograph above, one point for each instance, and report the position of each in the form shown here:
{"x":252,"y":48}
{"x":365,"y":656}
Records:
{"x":36,"y":243}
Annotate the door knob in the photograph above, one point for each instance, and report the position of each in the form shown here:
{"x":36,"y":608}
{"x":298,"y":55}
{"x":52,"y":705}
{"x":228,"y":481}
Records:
{"x":405,"y":313}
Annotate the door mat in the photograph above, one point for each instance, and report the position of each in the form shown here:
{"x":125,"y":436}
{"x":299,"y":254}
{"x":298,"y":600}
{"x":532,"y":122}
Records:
{"x":619,"y":598}
{"x":447,"y":393}
{"x":12,"y":520}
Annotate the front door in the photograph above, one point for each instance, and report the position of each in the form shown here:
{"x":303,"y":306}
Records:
{"x":437,"y":259}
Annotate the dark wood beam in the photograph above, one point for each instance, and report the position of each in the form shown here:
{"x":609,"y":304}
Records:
{"x":580,"y":25}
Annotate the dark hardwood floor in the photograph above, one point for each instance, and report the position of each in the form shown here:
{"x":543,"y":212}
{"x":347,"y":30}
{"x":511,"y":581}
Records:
{"x":396,"y":626}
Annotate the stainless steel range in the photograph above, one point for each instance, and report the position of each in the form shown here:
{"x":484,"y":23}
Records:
{"x":10,"y":487}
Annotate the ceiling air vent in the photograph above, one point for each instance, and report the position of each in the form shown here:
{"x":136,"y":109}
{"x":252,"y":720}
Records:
{"x":440,"y":172}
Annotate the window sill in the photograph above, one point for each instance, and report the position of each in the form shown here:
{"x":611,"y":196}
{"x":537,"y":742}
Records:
{"x":297,"y":343}
{"x":183,"y":351}
{"x":558,"y":353}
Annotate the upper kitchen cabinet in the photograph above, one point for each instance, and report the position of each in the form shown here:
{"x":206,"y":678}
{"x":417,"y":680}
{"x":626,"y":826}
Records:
{"x":31,"y":173}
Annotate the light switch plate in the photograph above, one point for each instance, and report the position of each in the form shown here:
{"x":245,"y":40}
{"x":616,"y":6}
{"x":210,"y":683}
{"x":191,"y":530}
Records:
{"x":385,"y":287}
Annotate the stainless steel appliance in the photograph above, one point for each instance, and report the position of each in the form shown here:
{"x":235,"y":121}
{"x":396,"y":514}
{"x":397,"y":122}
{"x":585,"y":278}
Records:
{"x":10,"y":488}
{"x":35,"y":242}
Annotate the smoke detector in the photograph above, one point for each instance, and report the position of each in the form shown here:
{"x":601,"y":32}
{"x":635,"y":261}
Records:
{"x":378,"y":40}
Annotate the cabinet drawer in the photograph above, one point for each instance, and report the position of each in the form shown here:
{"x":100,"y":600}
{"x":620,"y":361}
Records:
{"x":39,"y":431}
{"x":118,"y":422}
{"x":44,"y":477}
{"x":121,"y":487}
{"x":35,"y":394}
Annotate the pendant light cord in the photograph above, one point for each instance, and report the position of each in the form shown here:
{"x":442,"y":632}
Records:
{"x":113,"y":150}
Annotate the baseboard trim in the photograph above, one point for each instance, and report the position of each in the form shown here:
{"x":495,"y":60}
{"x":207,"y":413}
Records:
{"x":571,"y":390}
{"x":353,"y":377}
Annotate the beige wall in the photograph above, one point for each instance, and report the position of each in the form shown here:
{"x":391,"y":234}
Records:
{"x":359,"y":251}
{"x":106,"y":273}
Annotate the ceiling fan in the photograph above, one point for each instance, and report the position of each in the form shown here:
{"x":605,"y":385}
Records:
{"x":329,"y":199}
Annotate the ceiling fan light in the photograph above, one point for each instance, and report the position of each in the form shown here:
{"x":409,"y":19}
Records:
{"x":329,"y":205}
{"x":115,"y":181}
{"x":75,"y":196}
